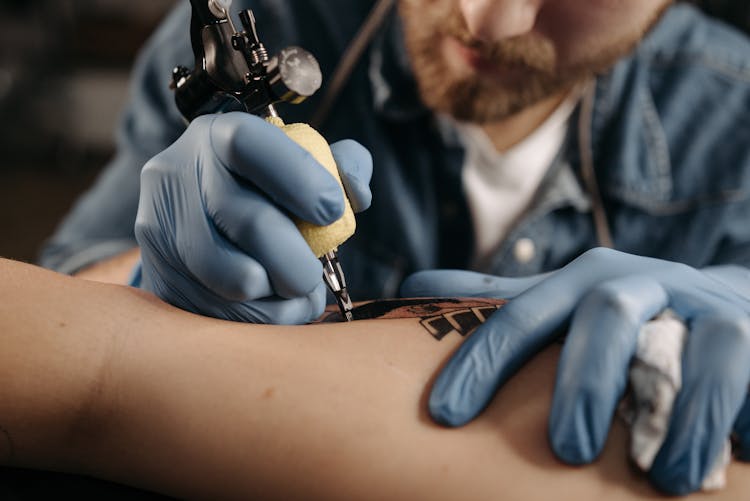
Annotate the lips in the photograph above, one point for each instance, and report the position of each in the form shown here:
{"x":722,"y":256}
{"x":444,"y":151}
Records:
{"x":470,"y":59}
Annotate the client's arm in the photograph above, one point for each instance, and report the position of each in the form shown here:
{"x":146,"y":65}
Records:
{"x":108,"y":381}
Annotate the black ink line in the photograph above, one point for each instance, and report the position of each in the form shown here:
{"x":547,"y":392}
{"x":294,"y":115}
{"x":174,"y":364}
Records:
{"x":462,"y":322}
{"x":461,"y":317}
{"x":484,"y":313}
{"x":438,"y":326}
{"x":418,"y":306}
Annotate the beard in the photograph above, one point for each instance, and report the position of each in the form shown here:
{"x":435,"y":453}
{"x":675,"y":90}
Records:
{"x":476,"y":99}
{"x":525,"y":69}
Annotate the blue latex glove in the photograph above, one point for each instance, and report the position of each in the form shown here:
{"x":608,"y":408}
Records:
{"x":214,"y":221}
{"x":607,"y":296}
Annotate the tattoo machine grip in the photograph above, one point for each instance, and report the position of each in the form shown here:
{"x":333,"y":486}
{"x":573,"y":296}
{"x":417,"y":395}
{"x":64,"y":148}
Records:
{"x":321,"y":239}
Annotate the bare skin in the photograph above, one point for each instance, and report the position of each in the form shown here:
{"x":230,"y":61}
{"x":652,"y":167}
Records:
{"x":110,"y":382}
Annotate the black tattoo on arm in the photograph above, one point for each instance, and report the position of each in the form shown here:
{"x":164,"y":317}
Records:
{"x":439,"y":316}
{"x":461,"y":322}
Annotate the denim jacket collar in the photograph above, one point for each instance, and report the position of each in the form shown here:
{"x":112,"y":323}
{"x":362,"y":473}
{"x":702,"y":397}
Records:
{"x":667,"y":69}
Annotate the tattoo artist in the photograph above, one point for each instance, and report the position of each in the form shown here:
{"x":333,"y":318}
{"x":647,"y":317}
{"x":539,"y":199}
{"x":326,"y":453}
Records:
{"x":591,"y":159}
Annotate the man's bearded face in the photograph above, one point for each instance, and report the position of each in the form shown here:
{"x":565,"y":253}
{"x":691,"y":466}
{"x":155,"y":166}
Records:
{"x":482,"y":61}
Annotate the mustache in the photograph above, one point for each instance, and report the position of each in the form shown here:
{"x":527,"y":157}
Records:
{"x":531,"y":51}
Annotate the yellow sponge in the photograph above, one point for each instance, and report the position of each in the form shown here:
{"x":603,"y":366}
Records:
{"x":321,"y":239}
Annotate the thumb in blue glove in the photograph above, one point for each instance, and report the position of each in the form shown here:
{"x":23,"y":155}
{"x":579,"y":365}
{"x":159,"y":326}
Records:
{"x":606,"y":296}
{"x":214,"y":221}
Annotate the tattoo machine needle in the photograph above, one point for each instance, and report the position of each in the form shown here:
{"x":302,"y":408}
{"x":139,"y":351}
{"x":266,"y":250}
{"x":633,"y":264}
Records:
{"x":233,"y":72}
{"x":333,"y":276}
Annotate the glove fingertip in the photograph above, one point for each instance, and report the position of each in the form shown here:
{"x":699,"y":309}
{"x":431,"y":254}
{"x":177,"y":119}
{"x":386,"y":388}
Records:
{"x":453,"y":398}
{"x":354,"y":163}
{"x":358,"y":193}
{"x":570,"y":452}
{"x":680,"y":468}
{"x":568,"y":433}
{"x":444,"y":413}
{"x":674,"y":481}
{"x":317,"y":302}
{"x":302,"y":282}
{"x":353,"y":159}
{"x":302,"y":310}
{"x":327,"y":208}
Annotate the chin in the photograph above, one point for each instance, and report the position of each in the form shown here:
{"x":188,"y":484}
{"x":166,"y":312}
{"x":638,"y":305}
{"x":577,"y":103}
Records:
{"x":455,"y":80}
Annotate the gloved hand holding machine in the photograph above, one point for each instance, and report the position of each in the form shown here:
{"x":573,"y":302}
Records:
{"x":250,"y":159}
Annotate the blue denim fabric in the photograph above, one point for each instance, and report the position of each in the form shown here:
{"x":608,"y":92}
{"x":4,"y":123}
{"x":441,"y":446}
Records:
{"x":670,"y":133}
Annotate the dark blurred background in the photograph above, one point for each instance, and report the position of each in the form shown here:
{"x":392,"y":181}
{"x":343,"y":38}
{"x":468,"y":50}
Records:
{"x":63,"y":79}
{"x":64,"y":67}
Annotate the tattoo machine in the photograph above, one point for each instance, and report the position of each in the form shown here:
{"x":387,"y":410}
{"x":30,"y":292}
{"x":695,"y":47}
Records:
{"x":233,"y":72}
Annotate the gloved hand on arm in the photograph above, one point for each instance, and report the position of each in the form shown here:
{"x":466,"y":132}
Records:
{"x":215,"y":224}
{"x":606,"y":296}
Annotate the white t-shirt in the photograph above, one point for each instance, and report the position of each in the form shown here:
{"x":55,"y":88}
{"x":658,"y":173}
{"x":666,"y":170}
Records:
{"x":499,"y":186}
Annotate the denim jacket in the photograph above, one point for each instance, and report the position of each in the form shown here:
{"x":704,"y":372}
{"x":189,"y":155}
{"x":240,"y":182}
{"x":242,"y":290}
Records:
{"x":667,"y":135}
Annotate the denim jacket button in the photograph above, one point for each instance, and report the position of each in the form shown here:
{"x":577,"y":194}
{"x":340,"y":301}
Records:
{"x":524,"y":250}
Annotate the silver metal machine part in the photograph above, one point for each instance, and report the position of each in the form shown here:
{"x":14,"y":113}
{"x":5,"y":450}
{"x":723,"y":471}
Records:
{"x":219,"y":8}
{"x":333,"y":276}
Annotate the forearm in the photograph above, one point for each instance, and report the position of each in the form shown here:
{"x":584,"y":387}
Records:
{"x":333,"y":411}
{"x":200,"y":408}
{"x":243,"y":409}
{"x":336,"y":412}
{"x":133,"y":390}
{"x":51,"y":364}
